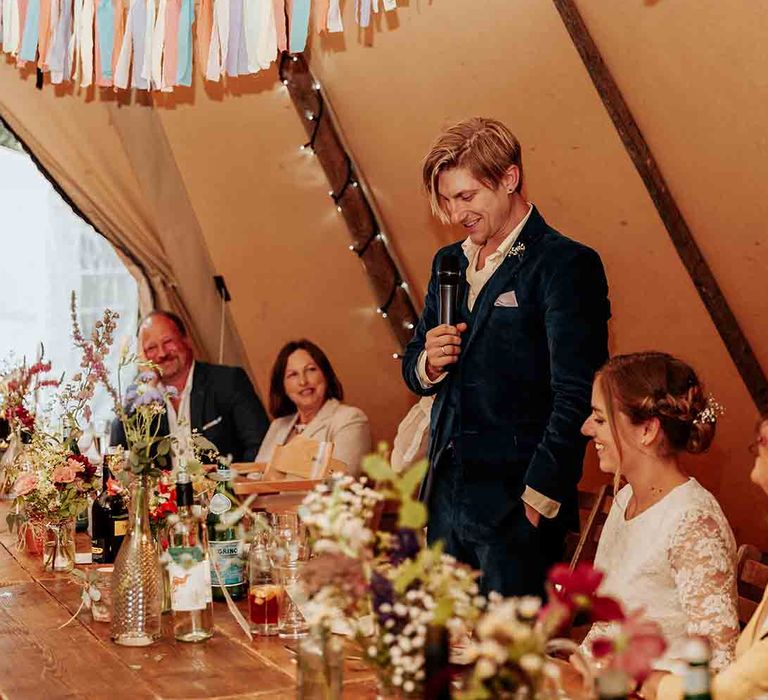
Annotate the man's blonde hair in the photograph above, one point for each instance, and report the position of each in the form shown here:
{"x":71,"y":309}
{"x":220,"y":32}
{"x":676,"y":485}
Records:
{"x":485,"y":146}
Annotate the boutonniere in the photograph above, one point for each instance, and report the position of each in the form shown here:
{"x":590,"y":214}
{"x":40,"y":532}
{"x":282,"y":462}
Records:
{"x":517,"y":250}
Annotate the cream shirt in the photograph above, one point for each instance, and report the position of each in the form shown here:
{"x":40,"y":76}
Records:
{"x":179,"y":423}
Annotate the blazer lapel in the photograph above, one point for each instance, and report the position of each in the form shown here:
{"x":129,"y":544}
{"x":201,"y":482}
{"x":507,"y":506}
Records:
{"x":529,"y":236}
{"x":320,"y":424}
{"x":197,"y":396}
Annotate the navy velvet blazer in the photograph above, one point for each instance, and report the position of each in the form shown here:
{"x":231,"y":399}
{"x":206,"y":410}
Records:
{"x":226,"y":393}
{"x":514,"y":404}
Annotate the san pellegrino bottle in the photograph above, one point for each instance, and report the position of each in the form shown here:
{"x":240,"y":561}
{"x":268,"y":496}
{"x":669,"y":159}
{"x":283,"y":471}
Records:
{"x":226,"y":546}
{"x":188,"y":569}
{"x":696,"y":683}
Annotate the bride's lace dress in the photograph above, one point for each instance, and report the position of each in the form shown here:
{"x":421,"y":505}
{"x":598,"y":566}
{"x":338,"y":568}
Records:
{"x":677,"y":560}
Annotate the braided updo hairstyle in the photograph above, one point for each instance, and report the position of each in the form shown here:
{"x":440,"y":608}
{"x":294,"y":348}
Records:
{"x":648,"y":385}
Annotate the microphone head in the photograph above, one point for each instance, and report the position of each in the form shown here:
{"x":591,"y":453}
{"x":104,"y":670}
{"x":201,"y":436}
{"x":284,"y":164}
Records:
{"x":448,"y":269}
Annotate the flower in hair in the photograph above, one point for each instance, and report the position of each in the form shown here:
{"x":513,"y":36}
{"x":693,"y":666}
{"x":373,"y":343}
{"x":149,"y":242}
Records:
{"x":710,"y":413}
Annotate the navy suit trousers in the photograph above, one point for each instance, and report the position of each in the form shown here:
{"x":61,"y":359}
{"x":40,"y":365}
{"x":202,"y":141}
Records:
{"x":481,"y":520}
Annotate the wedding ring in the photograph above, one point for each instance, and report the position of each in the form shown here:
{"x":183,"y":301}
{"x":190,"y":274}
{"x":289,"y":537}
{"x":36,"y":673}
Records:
{"x":442,"y":349}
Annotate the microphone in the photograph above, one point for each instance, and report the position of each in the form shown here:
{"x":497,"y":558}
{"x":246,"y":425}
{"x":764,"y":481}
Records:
{"x":448,"y":277}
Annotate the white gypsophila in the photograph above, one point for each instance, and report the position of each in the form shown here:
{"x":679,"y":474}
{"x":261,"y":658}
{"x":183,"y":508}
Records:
{"x":529,"y":606}
{"x":485,"y":668}
{"x":531,"y":663}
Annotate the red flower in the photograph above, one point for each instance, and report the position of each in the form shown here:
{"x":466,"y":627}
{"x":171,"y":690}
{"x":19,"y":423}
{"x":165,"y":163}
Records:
{"x":89,"y":470}
{"x":634,"y":648}
{"x":577,"y":591}
{"x":22,"y":416}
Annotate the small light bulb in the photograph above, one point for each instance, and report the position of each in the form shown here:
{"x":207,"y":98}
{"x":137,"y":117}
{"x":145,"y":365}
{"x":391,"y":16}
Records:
{"x":303,"y":147}
{"x":352,"y":249}
{"x":354,"y":183}
{"x":395,"y":355}
{"x":285,"y":82}
{"x":330,"y":193}
{"x":316,"y":86}
{"x":403,"y":285}
{"x":294,"y":58}
{"x":409,"y":325}
{"x":383,"y":314}
{"x":379,"y":311}
{"x":338,"y":208}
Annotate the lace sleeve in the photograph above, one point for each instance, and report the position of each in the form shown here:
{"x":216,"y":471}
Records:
{"x":703,"y":561}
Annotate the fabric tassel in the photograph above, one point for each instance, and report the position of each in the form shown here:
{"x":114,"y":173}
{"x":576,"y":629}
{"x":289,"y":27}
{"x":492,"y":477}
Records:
{"x":278,"y":8}
{"x":217,"y":59}
{"x":28,"y":51}
{"x":235,"y":34}
{"x":363,"y":12}
{"x":260,"y":34}
{"x":10,"y":26}
{"x":335,"y":23}
{"x":158,"y":46}
{"x":86,"y":43}
{"x":203,"y":33}
{"x":105,"y":38}
{"x":150,"y":18}
{"x":184,"y":67}
{"x":59,"y":62}
{"x":321,"y":15}
{"x":43,"y":33}
{"x":171,"y":50}
{"x":299,"y":26}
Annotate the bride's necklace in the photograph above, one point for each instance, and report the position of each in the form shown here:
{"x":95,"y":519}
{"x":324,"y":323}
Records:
{"x":657,"y":493}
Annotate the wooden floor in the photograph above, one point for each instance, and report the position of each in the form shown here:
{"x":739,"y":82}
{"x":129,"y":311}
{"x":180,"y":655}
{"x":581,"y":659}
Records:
{"x":39,"y":661}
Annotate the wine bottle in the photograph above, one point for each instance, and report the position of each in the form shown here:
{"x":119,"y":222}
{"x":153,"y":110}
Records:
{"x":225,"y":545}
{"x":437,"y":672}
{"x":188,"y":569}
{"x":109,"y":519}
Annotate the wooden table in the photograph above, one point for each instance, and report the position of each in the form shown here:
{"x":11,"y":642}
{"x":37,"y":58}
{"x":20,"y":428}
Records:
{"x":39,"y":661}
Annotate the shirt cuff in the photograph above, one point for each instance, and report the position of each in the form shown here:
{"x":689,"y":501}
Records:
{"x":538,"y":501}
{"x":421,"y":372}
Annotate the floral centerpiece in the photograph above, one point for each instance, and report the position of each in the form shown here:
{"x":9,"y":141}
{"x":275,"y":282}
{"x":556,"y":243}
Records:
{"x":386,"y":589}
{"x":514,"y":640}
{"x":20,"y":385}
{"x":52,"y":481}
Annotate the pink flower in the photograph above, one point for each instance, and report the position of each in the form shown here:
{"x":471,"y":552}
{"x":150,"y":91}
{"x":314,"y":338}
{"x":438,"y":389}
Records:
{"x":634,"y":648}
{"x":66,"y":473}
{"x":24,"y":484}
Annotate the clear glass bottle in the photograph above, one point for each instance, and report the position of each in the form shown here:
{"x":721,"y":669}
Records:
{"x":320,"y":666}
{"x":188,"y":569}
{"x":226,"y":545}
{"x":264,"y":593}
{"x":136,"y":580}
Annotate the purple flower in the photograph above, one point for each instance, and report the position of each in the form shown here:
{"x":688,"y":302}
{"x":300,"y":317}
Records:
{"x":149,"y":396}
{"x":171,"y":392}
{"x":146,"y":377}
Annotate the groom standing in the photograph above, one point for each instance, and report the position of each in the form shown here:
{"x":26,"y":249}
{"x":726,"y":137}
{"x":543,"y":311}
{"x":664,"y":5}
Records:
{"x":513,"y":377}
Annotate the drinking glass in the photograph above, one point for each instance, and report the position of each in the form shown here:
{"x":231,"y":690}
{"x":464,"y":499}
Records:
{"x":290,"y":549}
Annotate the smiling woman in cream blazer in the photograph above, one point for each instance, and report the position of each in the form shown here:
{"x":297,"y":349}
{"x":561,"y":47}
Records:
{"x":305,"y":398}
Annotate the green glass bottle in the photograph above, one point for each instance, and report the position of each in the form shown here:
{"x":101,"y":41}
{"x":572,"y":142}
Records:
{"x":225,"y":545}
{"x":696,"y":683}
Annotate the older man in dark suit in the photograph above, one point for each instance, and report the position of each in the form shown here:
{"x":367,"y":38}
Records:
{"x":513,"y":377}
{"x":217,"y":401}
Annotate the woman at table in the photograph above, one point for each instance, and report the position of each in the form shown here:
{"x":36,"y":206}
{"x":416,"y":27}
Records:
{"x":305,"y":398}
{"x":747,"y":677}
{"x":666,"y":546}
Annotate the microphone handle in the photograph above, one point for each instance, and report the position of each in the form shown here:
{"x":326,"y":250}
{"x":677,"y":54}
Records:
{"x":448,"y":298}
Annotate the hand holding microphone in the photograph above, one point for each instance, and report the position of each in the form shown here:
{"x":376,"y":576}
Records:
{"x":443,"y":343}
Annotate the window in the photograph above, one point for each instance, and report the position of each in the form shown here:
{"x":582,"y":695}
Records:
{"x":48,"y":251}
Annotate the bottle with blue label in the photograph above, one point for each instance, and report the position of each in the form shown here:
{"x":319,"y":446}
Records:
{"x":225,"y":544}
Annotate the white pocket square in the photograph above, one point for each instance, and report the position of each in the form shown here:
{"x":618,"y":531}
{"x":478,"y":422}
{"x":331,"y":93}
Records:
{"x":508,"y":299}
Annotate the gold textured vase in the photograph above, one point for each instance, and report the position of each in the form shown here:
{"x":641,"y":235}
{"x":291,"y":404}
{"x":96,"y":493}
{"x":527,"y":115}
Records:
{"x":137,"y":580}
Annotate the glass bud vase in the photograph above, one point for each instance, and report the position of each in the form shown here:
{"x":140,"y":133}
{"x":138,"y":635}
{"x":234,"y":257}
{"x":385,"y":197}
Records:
{"x":137,"y":585}
{"x":59,"y":546}
{"x":320,"y":664}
